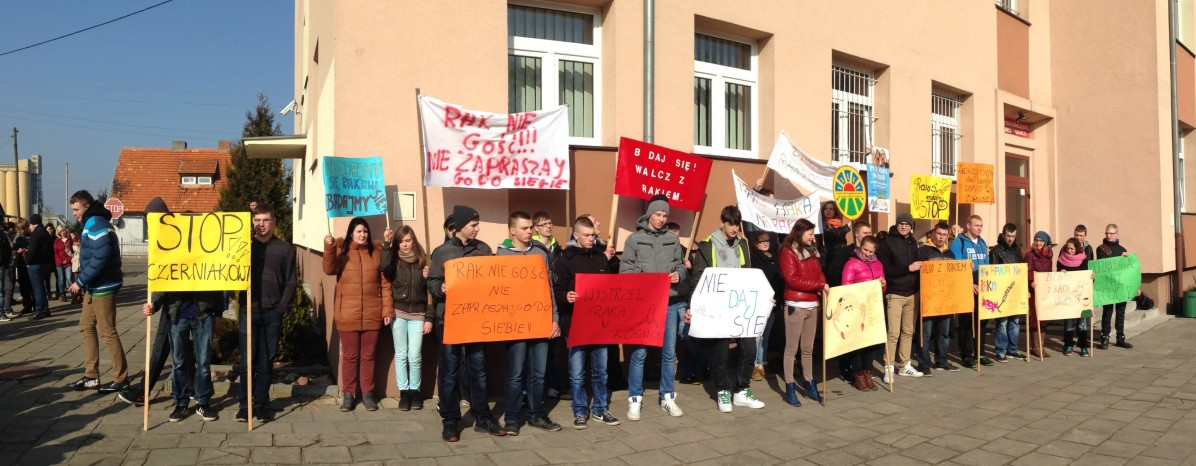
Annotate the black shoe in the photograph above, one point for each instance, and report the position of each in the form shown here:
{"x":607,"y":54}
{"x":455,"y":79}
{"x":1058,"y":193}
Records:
{"x":243,"y":415}
{"x":261,"y":414}
{"x":346,"y":402}
{"x":368,"y":401}
{"x":180,"y":413}
{"x":1001,"y":358}
{"x":607,"y":418}
{"x":947,"y":367}
{"x":449,"y":434}
{"x":1123,"y":344}
{"x":512,"y":429}
{"x":131,"y":396}
{"x":1104,"y":342}
{"x":984,"y":361}
{"x":544,"y":423}
{"x":579,"y":421}
{"x":691,"y":380}
{"x":968,"y":363}
{"x":113,"y":387}
{"x":86,"y":383}
{"x":489,"y":427}
{"x":404,"y":400}
{"x":206,"y":413}
{"x":417,"y":400}
{"x":41,"y":316}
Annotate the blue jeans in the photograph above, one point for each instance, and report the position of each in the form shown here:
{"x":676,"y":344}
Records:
{"x":452,"y":358}
{"x":577,"y":378}
{"x":409,"y":339}
{"x":525,"y":371}
{"x":38,"y":274}
{"x":936,"y":337}
{"x":192,"y":336}
{"x":64,"y":279}
{"x":6,"y":282}
{"x":762,"y":340}
{"x":668,"y":356}
{"x":1007,"y":331}
{"x":267,"y":327}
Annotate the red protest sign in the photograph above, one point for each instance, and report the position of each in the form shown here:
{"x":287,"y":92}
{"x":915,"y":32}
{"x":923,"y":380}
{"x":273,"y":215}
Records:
{"x":645,"y":170}
{"x":624,"y":308}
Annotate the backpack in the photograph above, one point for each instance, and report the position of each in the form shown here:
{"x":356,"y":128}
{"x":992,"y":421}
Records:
{"x":1143,"y":302}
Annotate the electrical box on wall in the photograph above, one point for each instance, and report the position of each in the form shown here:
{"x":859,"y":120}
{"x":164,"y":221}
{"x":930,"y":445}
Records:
{"x":402,"y":205}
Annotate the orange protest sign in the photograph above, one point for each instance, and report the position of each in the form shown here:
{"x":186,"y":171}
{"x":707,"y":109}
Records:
{"x":496,"y":299}
{"x":946,"y":288}
{"x":975,"y":183}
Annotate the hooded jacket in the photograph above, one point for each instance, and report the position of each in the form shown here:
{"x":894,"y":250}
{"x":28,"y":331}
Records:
{"x":451,"y":249}
{"x":573,"y":260}
{"x":896,"y":253}
{"x":708,"y":255}
{"x":408,"y":287}
{"x":858,"y":271}
{"x":803,"y":275}
{"x":928,"y":252}
{"x":41,"y":247}
{"x":99,"y":253}
{"x":362,"y":290}
{"x":963,"y":248}
{"x":1005,"y":254}
{"x":534,"y":248}
{"x":655,"y":251}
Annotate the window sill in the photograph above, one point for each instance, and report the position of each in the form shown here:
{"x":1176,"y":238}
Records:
{"x":1013,"y":14}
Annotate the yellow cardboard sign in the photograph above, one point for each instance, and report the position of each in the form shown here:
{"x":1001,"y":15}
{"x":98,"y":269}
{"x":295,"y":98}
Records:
{"x":930,"y":197}
{"x":854,"y":318}
{"x":199,"y":251}
{"x":1004,"y":291}
{"x":975,"y":183}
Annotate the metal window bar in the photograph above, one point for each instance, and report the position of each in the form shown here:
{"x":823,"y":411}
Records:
{"x":542,"y":23}
{"x":524,"y":87}
{"x":944,"y":133}
{"x":852,"y":120}
{"x":738,"y":112}
{"x":722,"y":52}
{"x":702,"y":121}
{"x":577,"y":92}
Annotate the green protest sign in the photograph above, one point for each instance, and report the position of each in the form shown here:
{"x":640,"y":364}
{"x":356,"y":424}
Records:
{"x":1117,"y":279}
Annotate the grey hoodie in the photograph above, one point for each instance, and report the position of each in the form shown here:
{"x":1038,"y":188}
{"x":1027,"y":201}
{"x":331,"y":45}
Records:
{"x":654,"y":251}
{"x":533,"y":248}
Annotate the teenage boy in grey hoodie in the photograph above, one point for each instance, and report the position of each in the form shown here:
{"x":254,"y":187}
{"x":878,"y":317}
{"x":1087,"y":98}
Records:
{"x":724,"y":249}
{"x":652,"y":249}
{"x":527,"y":357}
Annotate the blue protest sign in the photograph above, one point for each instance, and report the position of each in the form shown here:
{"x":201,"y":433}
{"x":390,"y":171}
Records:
{"x":354,"y":186}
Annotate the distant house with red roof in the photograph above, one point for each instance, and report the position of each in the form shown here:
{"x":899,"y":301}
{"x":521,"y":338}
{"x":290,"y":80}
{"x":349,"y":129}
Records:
{"x":187,"y":179}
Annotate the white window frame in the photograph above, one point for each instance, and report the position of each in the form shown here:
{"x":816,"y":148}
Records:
{"x":1183,"y":178}
{"x":1009,"y":5}
{"x":187,"y":180}
{"x":551,"y":52}
{"x":207,"y":180}
{"x":938,"y":123}
{"x":719,"y":77}
{"x":843,"y":156}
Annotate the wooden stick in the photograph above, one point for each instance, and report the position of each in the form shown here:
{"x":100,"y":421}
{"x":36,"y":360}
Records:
{"x":1091,"y":342}
{"x":149,"y":345}
{"x":823,"y":390}
{"x":979,"y":348}
{"x":693,"y":230}
{"x":888,"y":364}
{"x":1028,"y":337}
{"x":249,"y":351}
{"x":764,"y":175}
{"x":423,"y":172}
{"x":1041,"y":349}
{"x":614,"y":209}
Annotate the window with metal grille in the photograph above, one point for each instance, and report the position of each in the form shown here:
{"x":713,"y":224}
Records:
{"x":1008,"y":5}
{"x":725,"y":96}
{"x":1183,"y":201}
{"x":944,"y":133}
{"x":852,"y":120}
{"x":554,"y":59}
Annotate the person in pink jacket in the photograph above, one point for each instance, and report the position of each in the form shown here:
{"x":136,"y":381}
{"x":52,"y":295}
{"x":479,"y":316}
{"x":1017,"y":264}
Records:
{"x":861,"y":268}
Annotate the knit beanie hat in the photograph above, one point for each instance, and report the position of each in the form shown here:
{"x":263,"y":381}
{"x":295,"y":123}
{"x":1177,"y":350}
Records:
{"x":35,"y":219}
{"x":658,"y":202}
{"x":463,"y":214}
{"x":1042,"y":235}
{"x":905,"y":217}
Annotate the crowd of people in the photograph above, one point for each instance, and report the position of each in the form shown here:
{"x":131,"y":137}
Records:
{"x":393,"y":282}
{"x":37,"y":264}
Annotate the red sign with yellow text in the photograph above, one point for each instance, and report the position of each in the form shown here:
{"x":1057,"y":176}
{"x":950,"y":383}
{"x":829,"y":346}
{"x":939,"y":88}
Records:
{"x":645,"y":170}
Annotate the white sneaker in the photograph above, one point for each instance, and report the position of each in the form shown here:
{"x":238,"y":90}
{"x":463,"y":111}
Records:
{"x":909,"y":371}
{"x":744,"y":398}
{"x":669,"y":405}
{"x":724,"y":401}
{"x":888,"y":378}
{"x":633,"y":407}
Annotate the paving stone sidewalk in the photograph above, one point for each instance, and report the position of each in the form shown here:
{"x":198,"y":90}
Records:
{"x":1119,"y":407}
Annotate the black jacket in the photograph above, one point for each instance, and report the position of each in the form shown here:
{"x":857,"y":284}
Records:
{"x":896,"y":254}
{"x":835,"y":265}
{"x":207,"y":301}
{"x":1109,"y":249}
{"x":41,"y":247}
{"x":451,"y":249}
{"x":930,"y":253}
{"x":1002,"y":254}
{"x":273,"y":275}
{"x":771,"y":266}
{"x":572,"y":261}
{"x":408,"y":287}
